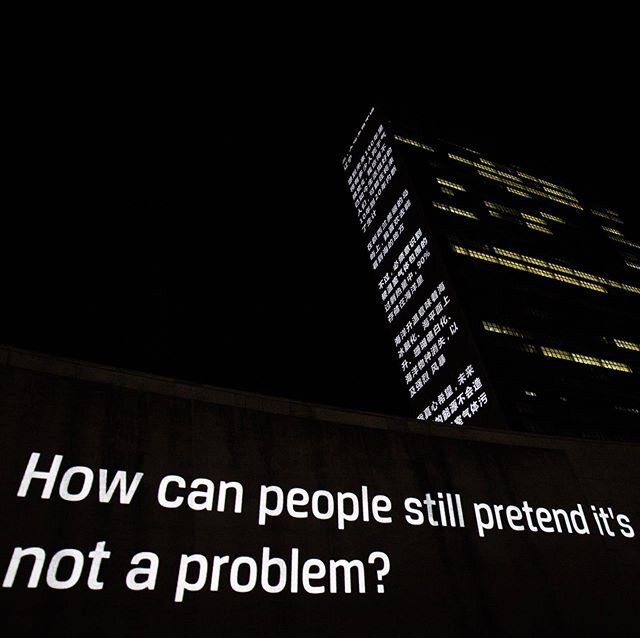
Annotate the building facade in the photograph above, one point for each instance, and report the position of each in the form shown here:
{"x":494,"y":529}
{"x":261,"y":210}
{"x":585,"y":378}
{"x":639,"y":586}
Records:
{"x":512,"y":302}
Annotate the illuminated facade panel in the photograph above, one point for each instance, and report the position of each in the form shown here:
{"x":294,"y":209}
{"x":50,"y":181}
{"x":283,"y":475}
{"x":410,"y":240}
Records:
{"x":443,"y":375}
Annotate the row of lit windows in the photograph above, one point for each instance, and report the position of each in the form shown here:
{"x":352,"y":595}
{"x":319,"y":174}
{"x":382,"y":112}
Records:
{"x":499,"y":176}
{"x":549,"y":188}
{"x":493,"y":168}
{"x":504,"y":330}
{"x":526,"y":191}
{"x":586,"y":279}
{"x":502,"y":208}
{"x":632,"y":264}
{"x":455,"y":210}
{"x":536,"y":223}
{"x":515,"y":191}
{"x":570,"y":271}
{"x":627,"y":242}
{"x":612,"y":231}
{"x":475,"y":164}
{"x":446,"y":182}
{"x":489,"y":326}
{"x":517,"y":213}
{"x":555,"y":353}
{"x":411,"y":142}
{"x":554,"y":218}
{"x":607,"y":214}
{"x":627,"y":287}
{"x":477,"y":254}
{"x":564,"y":189}
{"x":554,"y":191}
{"x":533,"y":218}
{"x":536,"y":261}
{"x":486,"y":161}
{"x":541,"y":229}
{"x":628,"y":345}
{"x":564,"y":194}
{"x":585,"y":359}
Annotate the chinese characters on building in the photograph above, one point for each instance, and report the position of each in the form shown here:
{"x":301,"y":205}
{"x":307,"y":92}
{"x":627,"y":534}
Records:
{"x":440,"y":376}
{"x":457,"y":403}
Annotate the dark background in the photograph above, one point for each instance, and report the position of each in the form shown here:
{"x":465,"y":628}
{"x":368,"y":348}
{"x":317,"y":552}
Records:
{"x":202,"y":230}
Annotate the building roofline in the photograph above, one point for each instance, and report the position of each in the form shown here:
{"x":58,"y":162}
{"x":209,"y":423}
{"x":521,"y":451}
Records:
{"x":145,"y":382}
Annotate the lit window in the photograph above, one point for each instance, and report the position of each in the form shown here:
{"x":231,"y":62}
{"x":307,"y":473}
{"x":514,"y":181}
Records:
{"x":612,"y":231}
{"x":505,"y":330}
{"x":515,"y":216}
{"x":626,"y":242}
{"x":517,"y":191}
{"x":585,"y":359}
{"x":450,"y":184}
{"x":554,"y":218}
{"x":528,"y":347}
{"x":540,"y":229}
{"x":545,"y":182}
{"x":559,"y":354}
{"x":461,"y":159}
{"x":411,"y":142}
{"x":577,"y":278}
{"x":477,"y":254}
{"x":532,"y":218}
{"x":581,"y":274}
{"x":607,"y":214}
{"x":511,"y":181}
{"x":629,"y":345}
{"x":549,"y":189}
{"x":455,"y":210}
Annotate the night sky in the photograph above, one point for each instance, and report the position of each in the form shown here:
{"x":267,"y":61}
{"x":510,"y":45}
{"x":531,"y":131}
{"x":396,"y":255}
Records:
{"x":214,"y":240}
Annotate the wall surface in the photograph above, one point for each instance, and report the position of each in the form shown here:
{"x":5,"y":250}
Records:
{"x":407,"y":576}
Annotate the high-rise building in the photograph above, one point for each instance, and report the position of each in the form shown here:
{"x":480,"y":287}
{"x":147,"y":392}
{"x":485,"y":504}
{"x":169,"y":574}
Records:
{"x":513,"y":303}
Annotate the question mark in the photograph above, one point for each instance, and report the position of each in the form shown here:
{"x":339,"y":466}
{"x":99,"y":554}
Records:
{"x":384,"y":570}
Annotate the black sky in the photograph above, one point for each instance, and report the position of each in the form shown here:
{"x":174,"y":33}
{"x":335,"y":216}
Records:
{"x":213,"y":239}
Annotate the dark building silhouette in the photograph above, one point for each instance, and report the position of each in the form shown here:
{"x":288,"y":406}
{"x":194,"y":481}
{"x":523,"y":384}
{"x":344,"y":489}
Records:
{"x":513,"y":303}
